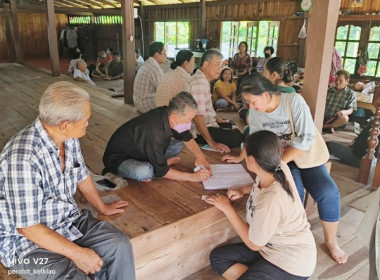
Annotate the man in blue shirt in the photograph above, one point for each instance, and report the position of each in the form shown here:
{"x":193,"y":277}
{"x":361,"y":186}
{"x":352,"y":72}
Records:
{"x":43,"y":233}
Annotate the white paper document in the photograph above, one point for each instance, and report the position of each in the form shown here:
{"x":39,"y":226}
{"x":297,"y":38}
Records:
{"x":225,"y":176}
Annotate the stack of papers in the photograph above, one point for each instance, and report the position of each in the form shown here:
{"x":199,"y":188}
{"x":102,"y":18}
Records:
{"x":226,"y":176}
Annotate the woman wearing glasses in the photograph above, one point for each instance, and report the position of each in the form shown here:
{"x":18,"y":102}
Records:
{"x":269,"y":111}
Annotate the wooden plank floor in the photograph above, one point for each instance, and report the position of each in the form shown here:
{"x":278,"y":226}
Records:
{"x":20,"y":90}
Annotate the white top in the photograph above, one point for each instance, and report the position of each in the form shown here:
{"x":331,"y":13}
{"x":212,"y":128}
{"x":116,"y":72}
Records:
{"x":85,"y":76}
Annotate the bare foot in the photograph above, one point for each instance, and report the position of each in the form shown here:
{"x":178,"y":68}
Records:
{"x":146,"y":181}
{"x":338,"y":255}
{"x":173,"y":160}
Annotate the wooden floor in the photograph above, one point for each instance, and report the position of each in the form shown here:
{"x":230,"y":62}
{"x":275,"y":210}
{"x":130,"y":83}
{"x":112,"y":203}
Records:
{"x":174,"y":202}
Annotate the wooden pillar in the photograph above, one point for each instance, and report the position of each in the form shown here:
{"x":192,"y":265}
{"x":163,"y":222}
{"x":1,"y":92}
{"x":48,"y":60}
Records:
{"x":129,"y":57}
{"x":52,"y":37}
{"x":143,"y":34}
{"x":11,"y":29}
{"x":322,"y":23}
{"x":366,"y":163}
{"x":202,"y":19}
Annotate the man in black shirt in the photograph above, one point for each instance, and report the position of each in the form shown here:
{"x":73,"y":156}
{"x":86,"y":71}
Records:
{"x":142,"y":149}
{"x":114,"y":69}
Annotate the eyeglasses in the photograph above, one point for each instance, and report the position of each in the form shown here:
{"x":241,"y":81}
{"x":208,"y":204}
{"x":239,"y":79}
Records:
{"x":248,"y":101}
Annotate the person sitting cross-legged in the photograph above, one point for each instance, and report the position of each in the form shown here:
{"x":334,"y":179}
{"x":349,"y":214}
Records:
{"x":340,"y":102}
{"x":43,"y":233}
{"x":142,"y":148}
{"x":114,"y":70}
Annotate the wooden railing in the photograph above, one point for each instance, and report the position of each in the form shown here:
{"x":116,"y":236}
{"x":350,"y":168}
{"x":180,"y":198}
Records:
{"x":366,"y":163}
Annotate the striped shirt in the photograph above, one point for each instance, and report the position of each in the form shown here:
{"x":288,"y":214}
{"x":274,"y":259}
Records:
{"x":34,"y":190}
{"x":199,"y":87}
{"x":145,"y":85}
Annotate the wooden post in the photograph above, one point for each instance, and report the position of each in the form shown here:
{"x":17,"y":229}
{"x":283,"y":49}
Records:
{"x":319,"y":48}
{"x":14,"y":31}
{"x":8,"y":32}
{"x":366,"y":163}
{"x":202,"y":19}
{"x":52,"y":37}
{"x":129,"y":57}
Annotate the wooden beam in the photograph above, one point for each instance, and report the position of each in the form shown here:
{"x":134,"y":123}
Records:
{"x":72,"y":3}
{"x":129,"y":57}
{"x":53,"y":39}
{"x":68,"y":10}
{"x":202,"y":19}
{"x":8,"y":33}
{"x":319,"y":48}
{"x":358,"y":17}
{"x":237,"y":2}
{"x":14,"y":29}
{"x":188,"y":5}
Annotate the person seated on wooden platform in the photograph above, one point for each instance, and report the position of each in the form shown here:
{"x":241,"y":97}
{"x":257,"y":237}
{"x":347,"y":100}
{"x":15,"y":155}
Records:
{"x":73,"y":63}
{"x":268,"y":51}
{"x":142,"y":148}
{"x":43,"y":233}
{"x":277,"y":240}
{"x":114,"y":70}
{"x":224,"y":92}
{"x":81,"y":73}
{"x":271,"y":110}
{"x":175,"y":81}
{"x":340,"y":103}
{"x":139,"y":59}
{"x":208,"y":128}
{"x":352,"y":155}
{"x":102,"y":61}
{"x":148,"y":77}
{"x":276,"y":71}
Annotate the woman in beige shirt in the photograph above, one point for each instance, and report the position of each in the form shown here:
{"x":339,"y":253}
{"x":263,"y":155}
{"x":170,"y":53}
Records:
{"x":277,"y":241}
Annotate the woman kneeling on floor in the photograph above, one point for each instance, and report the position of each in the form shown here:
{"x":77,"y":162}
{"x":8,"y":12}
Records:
{"x":277,"y":241}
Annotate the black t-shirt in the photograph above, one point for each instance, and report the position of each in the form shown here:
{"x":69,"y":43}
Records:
{"x":144,"y":138}
{"x":115,"y":68}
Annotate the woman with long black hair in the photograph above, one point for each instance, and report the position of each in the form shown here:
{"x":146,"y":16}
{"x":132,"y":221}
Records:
{"x":277,"y":241}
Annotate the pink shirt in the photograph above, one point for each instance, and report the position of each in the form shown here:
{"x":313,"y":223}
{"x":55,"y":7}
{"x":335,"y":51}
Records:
{"x":172,"y":83}
{"x":145,"y":85}
{"x":199,"y":87}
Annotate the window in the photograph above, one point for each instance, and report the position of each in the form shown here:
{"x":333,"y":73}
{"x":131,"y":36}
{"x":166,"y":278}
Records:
{"x":108,"y":19}
{"x":373,"y":67}
{"x":347,"y":43}
{"x":175,"y":35}
{"x":79,"y":19}
{"x":257,"y":34}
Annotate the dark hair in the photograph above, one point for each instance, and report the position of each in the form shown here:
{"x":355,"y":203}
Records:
{"x":269,"y":48}
{"x":209,"y":55}
{"x":116,"y":54}
{"x":257,"y":84}
{"x":224,"y":70}
{"x":110,"y":49}
{"x":181,"y":57}
{"x":137,"y":51}
{"x":344,"y":73}
{"x":266,"y":148}
{"x":297,"y":88}
{"x":277,"y":64}
{"x":155,"y":47}
{"x":76,"y":55}
{"x":180,"y":101}
{"x":246,"y":45}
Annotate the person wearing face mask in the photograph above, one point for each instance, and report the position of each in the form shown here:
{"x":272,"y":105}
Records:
{"x":101,"y":63}
{"x":268,"y":52}
{"x":142,"y":148}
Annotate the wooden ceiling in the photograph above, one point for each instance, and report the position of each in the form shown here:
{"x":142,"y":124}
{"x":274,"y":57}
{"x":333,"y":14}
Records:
{"x":103,"y":4}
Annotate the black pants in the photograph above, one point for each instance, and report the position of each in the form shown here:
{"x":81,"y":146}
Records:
{"x":224,"y":257}
{"x":230,"y":137}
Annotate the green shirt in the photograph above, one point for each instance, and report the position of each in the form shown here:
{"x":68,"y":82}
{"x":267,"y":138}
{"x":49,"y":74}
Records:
{"x":286,"y":89}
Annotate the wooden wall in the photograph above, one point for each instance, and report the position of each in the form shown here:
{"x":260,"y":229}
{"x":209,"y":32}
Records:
{"x":33,"y":33}
{"x":369,"y":6}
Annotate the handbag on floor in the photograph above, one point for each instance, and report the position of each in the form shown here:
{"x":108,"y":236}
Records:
{"x":318,"y":153}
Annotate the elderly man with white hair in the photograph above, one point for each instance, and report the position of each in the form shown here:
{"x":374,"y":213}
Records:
{"x":43,"y":233}
{"x":81,"y":73}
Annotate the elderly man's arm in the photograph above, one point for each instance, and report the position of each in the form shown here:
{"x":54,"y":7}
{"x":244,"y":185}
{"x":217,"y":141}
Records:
{"x":201,"y":126}
{"x":199,"y":156}
{"x":84,"y":258}
{"x":88,"y":190}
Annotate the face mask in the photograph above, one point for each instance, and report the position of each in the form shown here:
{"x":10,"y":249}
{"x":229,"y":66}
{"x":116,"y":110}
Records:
{"x":104,"y":55}
{"x":108,"y":52}
{"x":182,"y":127}
{"x":267,"y":55}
